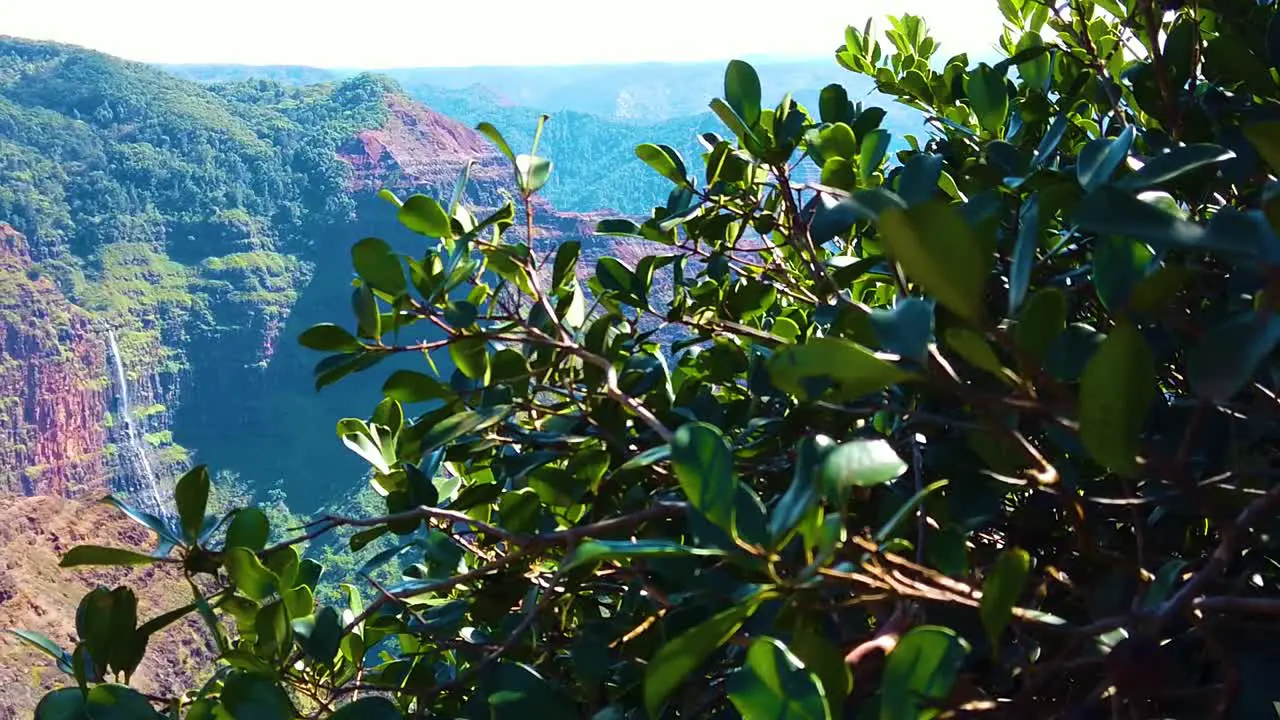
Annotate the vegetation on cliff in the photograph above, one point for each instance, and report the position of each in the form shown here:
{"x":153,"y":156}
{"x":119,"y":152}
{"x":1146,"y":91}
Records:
{"x":989,"y":430}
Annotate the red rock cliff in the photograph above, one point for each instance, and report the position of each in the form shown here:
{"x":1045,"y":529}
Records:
{"x":51,"y":387}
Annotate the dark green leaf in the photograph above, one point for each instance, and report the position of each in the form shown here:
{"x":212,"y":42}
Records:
{"x":328,"y":337}
{"x":249,"y":575}
{"x":938,"y":249}
{"x":673,"y":662}
{"x":249,"y":529}
{"x":471,"y":356}
{"x":905,"y":330}
{"x":1174,"y":164}
{"x":377,"y":265}
{"x":1110,"y":211}
{"x":919,"y":179}
{"x":1229,"y":355}
{"x":602,"y":550}
{"x":1030,"y":230}
{"x":64,"y":704}
{"x":773,"y":684}
{"x":1001,"y":590}
{"x":1101,"y":158}
{"x":742,"y":91}
{"x":703,"y":463}
{"x":920,"y":673}
{"x":424,"y":216}
{"x":191,"y":495}
{"x":1116,"y":390}
{"x":857,"y":370}
{"x":871,"y":152}
{"x":989,"y":97}
{"x":407,"y":386}
{"x":368,"y":708}
{"x":805,"y":490}
{"x":665,"y":160}
{"x":97,"y":555}
{"x":246,"y":696}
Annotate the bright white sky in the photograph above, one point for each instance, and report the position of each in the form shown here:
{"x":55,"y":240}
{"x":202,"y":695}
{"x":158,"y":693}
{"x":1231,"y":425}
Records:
{"x":419,"y":33}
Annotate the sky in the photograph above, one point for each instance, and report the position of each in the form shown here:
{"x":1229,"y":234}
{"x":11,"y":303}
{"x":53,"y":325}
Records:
{"x":450,"y":33}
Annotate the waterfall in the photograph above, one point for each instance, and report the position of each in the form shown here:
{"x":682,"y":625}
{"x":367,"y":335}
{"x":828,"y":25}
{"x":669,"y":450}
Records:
{"x":136,"y":446}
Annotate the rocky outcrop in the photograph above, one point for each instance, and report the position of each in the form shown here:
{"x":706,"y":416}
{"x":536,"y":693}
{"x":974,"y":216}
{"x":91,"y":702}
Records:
{"x":53,"y":396}
{"x":37,"y":595}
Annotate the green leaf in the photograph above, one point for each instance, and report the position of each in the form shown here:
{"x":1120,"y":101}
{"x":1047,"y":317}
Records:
{"x":601,"y":550}
{"x":532,"y":173}
{"x":703,"y":463}
{"x":98,"y":555}
{"x":833,"y":104}
{"x":368,"y":708}
{"x":1110,"y":211}
{"x":328,"y":337}
{"x":860,"y":463}
{"x":249,"y":575}
{"x":805,"y":490}
{"x":1119,"y":264}
{"x":871,"y":152}
{"x":246,"y":696}
{"x":155,"y":524}
{"x":938,"y":249}
{"x":471,"y":356}
{"x":1030,"y":230}
{"x":491,"y":132}
{"x":191,"y":495}
{"x":1049,"y":143}
{"x":773,"y":684}
{"x":424,"y":216}
{"x":891,"y":525}
{"x":64,"y":704}
{"x":673,"y":662}
{"x":368,"y":317}
{"x":1035,"y":71}
{"x":820,"y":654}
{"x":118,"y":702}
{"x":274,"y":635}
{"x":1174,"y":164}
{"x":1265,"y":138}
{"x":1228,"y":355}
{"x":1116,"y":389}
{"x":1001,"y":590}
{"x":989,"y":98}
{"x":665,"y":160}
{"x":742,"y":91}
{"x":407,"y":386}
{"x":1161,"y":588}
{"x":46,"y":646}
{"x":1100,"y":159}
{"x":455,"y":426}
{"x":855,"y":369}
{"x":378,"y":266}
{"x":920,"y":673}
{"x":249,"y":529}
{"x":1043,"y":318}
{"x":919,"y":179}
{"x":566,"y":263}
{"x":905,"y":330}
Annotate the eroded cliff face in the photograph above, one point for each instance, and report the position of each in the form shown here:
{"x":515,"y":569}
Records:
{"x":37,"y":595}
{"x":53,"y":396}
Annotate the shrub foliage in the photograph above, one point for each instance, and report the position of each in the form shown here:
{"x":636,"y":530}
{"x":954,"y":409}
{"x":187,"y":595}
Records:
{"x":989,"y":427}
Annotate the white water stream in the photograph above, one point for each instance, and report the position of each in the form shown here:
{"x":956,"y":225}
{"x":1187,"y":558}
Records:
{"x":136,"y":446}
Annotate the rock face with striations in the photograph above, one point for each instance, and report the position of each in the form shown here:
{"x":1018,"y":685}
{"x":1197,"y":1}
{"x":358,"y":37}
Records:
{"x":53,"y":400}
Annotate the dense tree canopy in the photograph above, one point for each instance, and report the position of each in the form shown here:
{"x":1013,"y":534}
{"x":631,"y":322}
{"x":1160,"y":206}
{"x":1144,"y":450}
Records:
{"x":986,"y":428}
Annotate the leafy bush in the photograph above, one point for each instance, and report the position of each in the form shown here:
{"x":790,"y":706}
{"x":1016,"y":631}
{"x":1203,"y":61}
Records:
{"x":991,"y":429}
